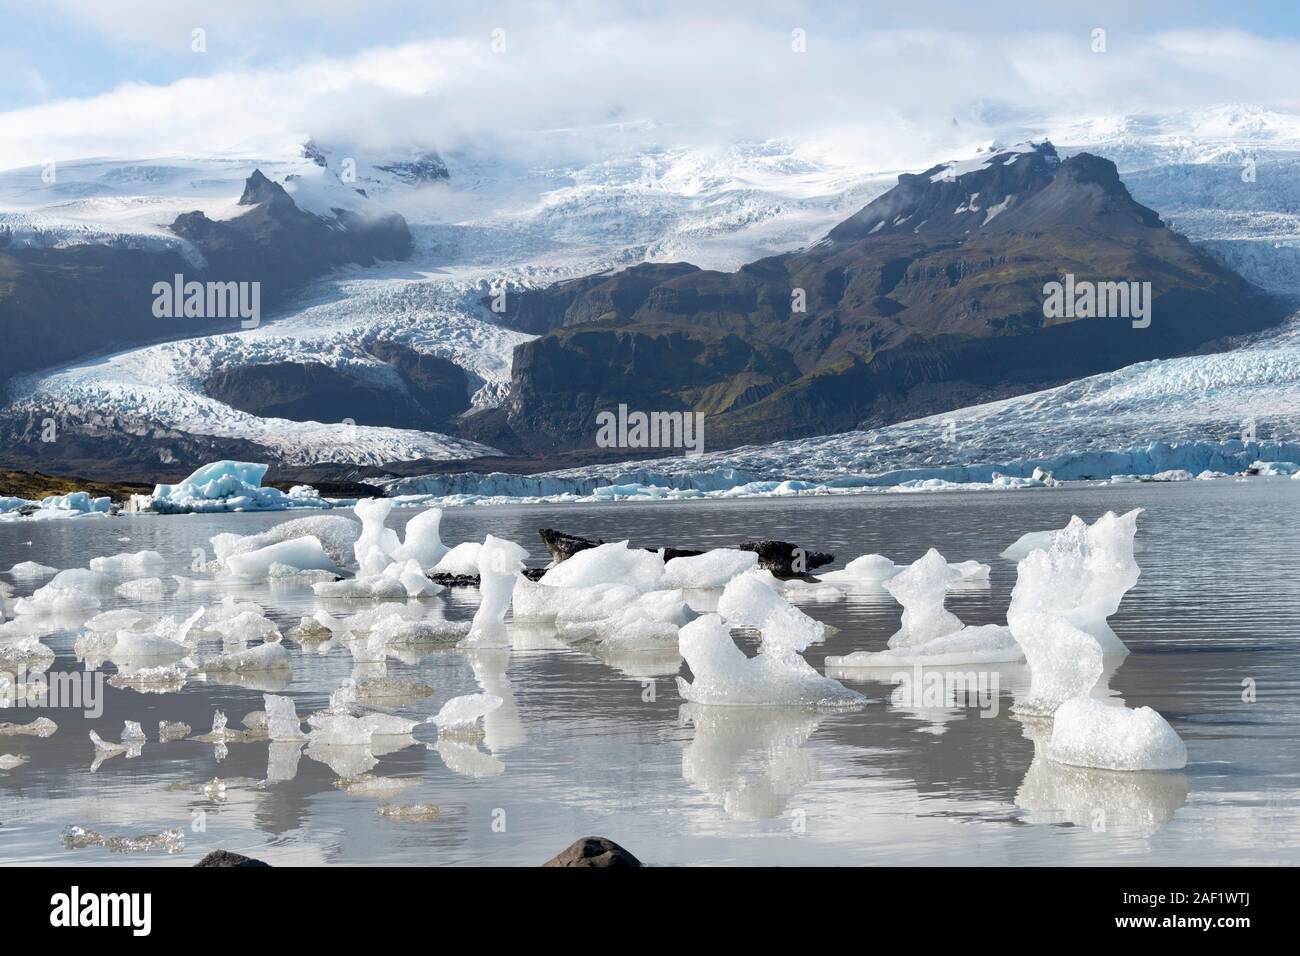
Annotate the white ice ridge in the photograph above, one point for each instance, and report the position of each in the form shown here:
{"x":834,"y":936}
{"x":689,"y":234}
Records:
{"x":931,"y":634}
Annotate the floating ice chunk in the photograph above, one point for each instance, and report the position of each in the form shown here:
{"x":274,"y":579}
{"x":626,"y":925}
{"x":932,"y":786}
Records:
{"x":282,"y":720}
{"x":387,"y":725}
{"x":132,"y":731}
{"x":499,"y":564}
{"x":420,"y":541}
{"x":110,"y":622}
{"x":1081,"y":577}
{"x":169,"y":730}
{"x":302,"y":553}
{"x":921,"y":589}
{"x":263,"y":657}
{"x":368,"y":587}
{"x":410,"y":573}
{"x":462,"y":559}
{"x":613,"y":563}
{"x":747,"y":601}
{"x":243,"y":627}
{"x":127,"y":563}
{"x":338,"y":730}
{"x":777,"y":675}
{"x":535,"y":601}
{"x":650,"y":621}
{"x":713,"y":569}
{"x":40,"y":727}
{"x":227,"y":486}
{"x":976,"y":644}
{"x":1028,"y":542}
{"x":10,"y":761}
{"x":970,"y":571}
{"x":30,"y":570}
{"x":141,"y":589}
{"x":462,"y":714}
{"x":136,"y":646}
{"x":337,"y":535}
{"x":377,"y":544}
{"x":868,"y":569}
{"x":105,"y":747}
{"x":1092,"y":733}
{"x":70,"y":592}
{"x":396,"y":630}
{"x":1064,"y":661}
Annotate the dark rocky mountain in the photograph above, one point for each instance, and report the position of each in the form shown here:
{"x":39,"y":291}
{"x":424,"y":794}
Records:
{"x":61,"y":304}
{"x":929,"y":298}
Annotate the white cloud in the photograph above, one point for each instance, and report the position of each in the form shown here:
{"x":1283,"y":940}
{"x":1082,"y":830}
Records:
{"x":889,"y":95}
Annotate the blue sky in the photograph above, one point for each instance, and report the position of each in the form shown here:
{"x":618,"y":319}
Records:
{"x":77,"y":48}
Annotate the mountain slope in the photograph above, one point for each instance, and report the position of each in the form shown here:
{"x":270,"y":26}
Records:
{"x":89,"y":297}
{"x":929,"y":298}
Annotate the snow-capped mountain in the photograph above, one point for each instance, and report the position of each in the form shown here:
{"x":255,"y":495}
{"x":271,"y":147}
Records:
{"x":488,"y":224}
{"x":500,"y":221}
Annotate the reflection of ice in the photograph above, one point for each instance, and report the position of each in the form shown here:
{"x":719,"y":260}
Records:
{"x":282,"y":760}
{"x":343,"y":760}
{"x":750,"y":758}
{"x":639,"y":662}
{"x":502,"y":726}
{"x":466,"y":759}
{"x":1103,"y":800}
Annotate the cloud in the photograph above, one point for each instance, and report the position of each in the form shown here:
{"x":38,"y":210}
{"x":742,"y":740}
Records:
{"x":890,"y":95}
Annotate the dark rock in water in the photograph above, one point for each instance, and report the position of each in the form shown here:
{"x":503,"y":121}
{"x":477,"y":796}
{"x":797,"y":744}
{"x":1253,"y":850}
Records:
{"x":449,"y":580}
{"x":230,"y":859}
{"x":564,"y":546}
{"x":594,"y":852}
{"x":782,"y":558}
{"x":785,"y":559}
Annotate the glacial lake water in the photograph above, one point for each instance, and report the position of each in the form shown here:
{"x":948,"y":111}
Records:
{"x":586,"y":745}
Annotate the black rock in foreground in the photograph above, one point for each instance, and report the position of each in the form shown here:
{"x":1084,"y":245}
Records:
{"x":228,"y":858}
{"x":594,"y":852}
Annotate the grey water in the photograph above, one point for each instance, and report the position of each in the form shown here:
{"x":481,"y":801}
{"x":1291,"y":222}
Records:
{"x":592,"y":745}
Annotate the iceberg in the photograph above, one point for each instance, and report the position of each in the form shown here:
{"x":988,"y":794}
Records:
{"x":777,"y":675}
{"x":228,"y":486}
{"x":1081,"y":577}
{"x":974,"y":644}
{"x":921,"y":589}
{"x":139,"y":562}
{"x":141,"y":589}
{"x":1093,"y":733}
{"x":747,"y":601}
{"x":30,"y":570}
{"x":713,"y":569}
{"x":462,"y":559}
{"x":420,"y":541}
{"x":263,"y":657}
{"x":282,"y":721}
{"x":461,"y":715}
{"x":499,"y":564}
{"x":301,"y":553}
{"x":336,"y":534}
{"x":613,"y":563}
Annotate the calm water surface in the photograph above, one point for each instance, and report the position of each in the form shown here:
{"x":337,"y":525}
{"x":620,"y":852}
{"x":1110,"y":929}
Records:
{"x":591,"y":745}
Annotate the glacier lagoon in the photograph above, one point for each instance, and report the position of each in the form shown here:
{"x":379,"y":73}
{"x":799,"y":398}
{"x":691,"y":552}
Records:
{"x":588,"y":742}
